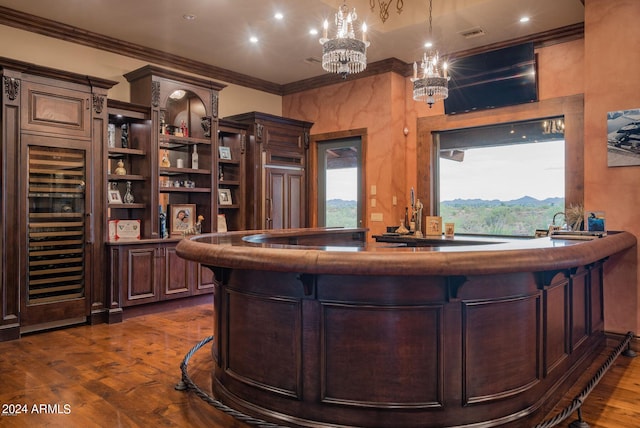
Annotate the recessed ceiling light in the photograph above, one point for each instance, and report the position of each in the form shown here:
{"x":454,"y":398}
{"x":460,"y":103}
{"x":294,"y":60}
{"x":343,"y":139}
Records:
{"x":278,"y":15}
{"x":428,"y":44}
{"x":313,"y":32}
{"x":188,"y":17}
{"x":524,"y":19}
{"x":253,"y":39}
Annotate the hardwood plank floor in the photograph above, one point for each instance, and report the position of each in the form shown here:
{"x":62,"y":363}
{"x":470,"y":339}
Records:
{"x":123,"y":375}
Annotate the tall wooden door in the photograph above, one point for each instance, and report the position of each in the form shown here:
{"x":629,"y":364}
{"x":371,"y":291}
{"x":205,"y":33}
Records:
{"x":285,"y":198}
{"x":57,"y":229}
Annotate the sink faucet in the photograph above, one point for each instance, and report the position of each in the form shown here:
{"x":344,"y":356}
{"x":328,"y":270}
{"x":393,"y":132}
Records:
{"x":553,"y":222}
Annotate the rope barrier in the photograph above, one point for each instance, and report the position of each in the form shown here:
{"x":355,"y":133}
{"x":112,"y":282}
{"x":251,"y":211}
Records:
{"x":187,"y":384}
{"x":577,"y":402}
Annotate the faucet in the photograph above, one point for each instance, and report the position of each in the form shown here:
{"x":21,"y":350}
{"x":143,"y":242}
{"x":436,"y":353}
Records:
{"x":553,"y":222}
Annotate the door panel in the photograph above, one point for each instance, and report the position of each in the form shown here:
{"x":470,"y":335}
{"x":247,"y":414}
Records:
{"x":285,"y":192}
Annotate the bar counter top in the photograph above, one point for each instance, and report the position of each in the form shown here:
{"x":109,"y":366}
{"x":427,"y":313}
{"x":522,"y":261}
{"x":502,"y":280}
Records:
{"x":344,"y":251}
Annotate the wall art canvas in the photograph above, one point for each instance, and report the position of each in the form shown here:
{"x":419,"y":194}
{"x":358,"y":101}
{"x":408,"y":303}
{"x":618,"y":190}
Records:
{"x":623,"y":138}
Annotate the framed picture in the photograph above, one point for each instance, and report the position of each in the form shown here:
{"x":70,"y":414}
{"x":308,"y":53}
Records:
{"x":224,"y":197}
{"x":595,"y":221}
{"x":623,"y":137}
{"x":433,"y":225}
{"x":114,"y":197}
{"x":222,"y":223}
{"x":225,"y":152}
{"x":181,"y":218}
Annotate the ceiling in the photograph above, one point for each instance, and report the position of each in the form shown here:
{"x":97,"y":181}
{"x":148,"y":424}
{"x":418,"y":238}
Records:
{"x":286,"y":52}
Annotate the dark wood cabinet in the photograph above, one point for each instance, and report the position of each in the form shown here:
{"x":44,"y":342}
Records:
{"x":276,"y":168}
{"x":232,"y":197}
{"x":150,"y":271}
{"x":171,"y":160}
{"x":51,"y":254}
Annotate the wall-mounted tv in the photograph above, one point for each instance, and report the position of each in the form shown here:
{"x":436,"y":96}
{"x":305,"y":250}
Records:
{"x":493,"y":79}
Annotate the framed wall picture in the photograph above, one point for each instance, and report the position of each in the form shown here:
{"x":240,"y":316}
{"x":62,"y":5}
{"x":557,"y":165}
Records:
{"x":181,"y":218}
{"x":224,"y":197}
{"x":114,"y":197}
{"x":225,"y":152}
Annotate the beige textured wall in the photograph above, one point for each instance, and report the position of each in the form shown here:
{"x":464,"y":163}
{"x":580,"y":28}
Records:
{"x":612,"y":83}
{"x":34,"y":48}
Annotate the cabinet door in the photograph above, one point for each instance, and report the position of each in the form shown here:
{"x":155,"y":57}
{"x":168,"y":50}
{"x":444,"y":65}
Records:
{"x":285,"y":198}
{"x":58,"y":231}
{"x":206,"y":280}
{"x":178,"y":273}
{"x":142,"y":276}
{"x":56,"y":110}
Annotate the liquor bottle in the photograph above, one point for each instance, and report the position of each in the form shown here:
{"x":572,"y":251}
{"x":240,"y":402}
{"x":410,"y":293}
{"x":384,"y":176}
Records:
{"x":412,"y":223}
{"x":406,"y":217}
{"x":163,"y":223}
{"x":194,"y":158}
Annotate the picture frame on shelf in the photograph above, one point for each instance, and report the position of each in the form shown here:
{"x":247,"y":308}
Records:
{"x":433,"y":226}
{"x":224,"y":197}
{"x":181,"y":218}
{"x":114,"y":197}
{"x":225,"y":152}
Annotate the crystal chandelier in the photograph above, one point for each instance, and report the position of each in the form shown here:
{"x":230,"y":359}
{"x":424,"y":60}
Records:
{"x":384,"y":7}
{"x":344,"y":54}
{"x":431,"y":85}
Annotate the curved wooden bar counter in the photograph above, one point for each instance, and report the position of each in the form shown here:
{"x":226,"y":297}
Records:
{"x":315,"y":327}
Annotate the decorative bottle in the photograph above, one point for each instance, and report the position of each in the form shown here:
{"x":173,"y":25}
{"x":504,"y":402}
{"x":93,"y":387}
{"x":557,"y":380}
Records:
{"x":406,"y":217}
{"x":163,"y":223}
{"x":194,"y":158}
{"x":128,"y":196}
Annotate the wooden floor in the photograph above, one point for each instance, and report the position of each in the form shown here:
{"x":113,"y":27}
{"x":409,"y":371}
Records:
{"x":123,"y":375}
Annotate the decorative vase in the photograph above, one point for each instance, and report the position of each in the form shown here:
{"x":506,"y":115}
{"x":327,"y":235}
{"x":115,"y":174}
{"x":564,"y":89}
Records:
{"x":128,"y":196}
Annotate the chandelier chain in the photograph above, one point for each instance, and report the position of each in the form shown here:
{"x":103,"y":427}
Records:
{"x":430,"y":20}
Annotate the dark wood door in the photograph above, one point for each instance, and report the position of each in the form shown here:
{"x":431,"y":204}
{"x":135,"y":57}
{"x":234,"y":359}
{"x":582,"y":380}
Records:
{"x":58,"y":228}
{"x":285,"y":198}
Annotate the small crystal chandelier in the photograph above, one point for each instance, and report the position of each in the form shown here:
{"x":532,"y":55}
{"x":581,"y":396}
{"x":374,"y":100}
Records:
{"x":384,"y":7}
{"x":344,"y":54}
{"x":431,"y":86}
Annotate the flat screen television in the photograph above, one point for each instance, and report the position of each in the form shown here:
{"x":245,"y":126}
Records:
{"x":493,"y":79}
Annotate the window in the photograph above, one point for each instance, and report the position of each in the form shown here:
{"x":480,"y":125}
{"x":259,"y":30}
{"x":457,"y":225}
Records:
{"x":504,"y":179}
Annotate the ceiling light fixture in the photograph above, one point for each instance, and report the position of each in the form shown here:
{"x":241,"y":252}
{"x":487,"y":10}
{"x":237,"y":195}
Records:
{"x":384,"y":8}
{"x":344,"y":54}
{"x":431,"y":85}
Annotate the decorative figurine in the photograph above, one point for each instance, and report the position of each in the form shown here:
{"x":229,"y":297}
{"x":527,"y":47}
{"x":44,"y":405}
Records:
{"x":125,"y":136}
{"x":120,"y":170}
{"x":418,"y":209}
{"x":199,"y":224}
{"x":165,"y":162}
{"x":111,"y":135}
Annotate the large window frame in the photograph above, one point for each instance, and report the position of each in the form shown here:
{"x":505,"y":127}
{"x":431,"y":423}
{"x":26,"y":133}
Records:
{"x":570,"y":107}
{"x":519,"y":164}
